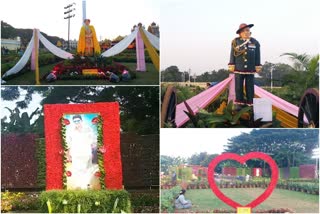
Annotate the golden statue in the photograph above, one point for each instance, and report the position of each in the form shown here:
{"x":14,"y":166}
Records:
{"x":88,"y":43}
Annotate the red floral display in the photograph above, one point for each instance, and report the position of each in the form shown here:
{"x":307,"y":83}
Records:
{"x":242,"y":160}
{"x":66,"y":122}
{"x":111,"y":140}
{"x":68,"y":173}
{"x":102,"y":149}
{"x":97,"y":174}
{"x":95,"y":120}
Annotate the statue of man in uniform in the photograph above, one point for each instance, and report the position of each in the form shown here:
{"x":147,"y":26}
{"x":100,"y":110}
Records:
{"x":88,"y":43}
{"x":244,"y":62}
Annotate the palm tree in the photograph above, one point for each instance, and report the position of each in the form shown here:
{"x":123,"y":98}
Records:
{"x":306,"y":67}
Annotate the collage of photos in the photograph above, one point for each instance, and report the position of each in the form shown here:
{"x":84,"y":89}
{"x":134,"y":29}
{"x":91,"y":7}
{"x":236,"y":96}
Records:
{"x":102,"y":113}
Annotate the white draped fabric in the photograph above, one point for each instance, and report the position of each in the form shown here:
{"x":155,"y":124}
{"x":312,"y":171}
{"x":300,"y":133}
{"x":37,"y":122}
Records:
{"x":153,"y":39}
{"x":23,"y":61}
{"x":54,"y":49}
{"x":122,"y":45}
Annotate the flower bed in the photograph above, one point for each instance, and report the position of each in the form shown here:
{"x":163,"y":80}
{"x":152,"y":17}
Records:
{"x":89,"y":68}
{"x":306,"y":187}
{"x":278,"y":210}
{"x":85,"y":201}
{"x":301,"y":185}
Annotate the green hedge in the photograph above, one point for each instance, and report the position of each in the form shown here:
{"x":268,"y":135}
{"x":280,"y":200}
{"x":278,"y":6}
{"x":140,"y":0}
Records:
{"x":244,"y":171}
{"x":294,"y":172}
{"x":90,"y":201}
{"x":281,"y":174}
{"x":41,"y":160}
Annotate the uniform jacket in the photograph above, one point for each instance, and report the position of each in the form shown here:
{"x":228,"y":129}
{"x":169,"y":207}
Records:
{"x":245,"y":58}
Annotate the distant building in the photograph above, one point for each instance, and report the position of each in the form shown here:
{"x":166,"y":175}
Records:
{"x":11,"y":44}
{"x":154,"y":29}
{"x":73,"y":44}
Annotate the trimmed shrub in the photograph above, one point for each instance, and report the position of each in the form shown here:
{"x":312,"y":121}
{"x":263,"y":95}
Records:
{"x":27,"y":202}
{"x":8,"y":199}
{"x":167,"y":199}
{"x":89,"y":201}
{"x":294,"y":172}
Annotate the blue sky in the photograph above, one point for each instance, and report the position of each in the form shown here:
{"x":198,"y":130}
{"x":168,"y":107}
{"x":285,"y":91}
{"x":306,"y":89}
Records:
{"x":198,"y":34}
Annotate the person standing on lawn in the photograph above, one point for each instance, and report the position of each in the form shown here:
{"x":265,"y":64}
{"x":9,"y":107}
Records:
{"x":244,"y":62}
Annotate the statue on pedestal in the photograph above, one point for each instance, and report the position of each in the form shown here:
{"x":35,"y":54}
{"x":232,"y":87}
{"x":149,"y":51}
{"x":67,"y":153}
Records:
{"x":88,"y":43}
{"x":244,"y":62}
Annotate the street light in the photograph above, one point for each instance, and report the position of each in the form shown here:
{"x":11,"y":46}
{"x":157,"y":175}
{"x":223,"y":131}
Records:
{"x":271,"y":84}
{"x":69,"y":8}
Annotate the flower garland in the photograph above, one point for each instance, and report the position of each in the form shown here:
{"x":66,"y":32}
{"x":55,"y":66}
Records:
{"x":109,"y":146}
{"x":101,"y":150}
{"x":63,"y":152}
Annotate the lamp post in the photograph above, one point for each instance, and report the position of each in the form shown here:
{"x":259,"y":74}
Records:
{"x":271,"y":84}
{"x":316,"y":155}
{"x":68,"y":15}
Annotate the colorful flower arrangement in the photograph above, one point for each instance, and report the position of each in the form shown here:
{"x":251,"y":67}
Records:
{"x":101,"y":150}
{"x":109,"y":158}
{"x":78,"y":69}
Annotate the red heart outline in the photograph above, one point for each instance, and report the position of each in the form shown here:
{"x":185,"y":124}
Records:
{"x":242,"y":160}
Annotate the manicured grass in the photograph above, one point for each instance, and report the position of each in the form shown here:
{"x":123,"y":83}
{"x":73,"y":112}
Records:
{"x":151,"y":77}
{"x":204,"y":199}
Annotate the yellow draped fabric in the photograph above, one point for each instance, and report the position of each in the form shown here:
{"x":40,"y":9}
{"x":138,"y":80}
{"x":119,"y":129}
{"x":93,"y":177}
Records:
{"x":152,"y":52}
{"x":82,"y":41}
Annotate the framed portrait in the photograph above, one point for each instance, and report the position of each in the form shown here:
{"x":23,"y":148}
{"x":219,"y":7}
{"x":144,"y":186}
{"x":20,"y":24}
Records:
{"x":83,"y":146}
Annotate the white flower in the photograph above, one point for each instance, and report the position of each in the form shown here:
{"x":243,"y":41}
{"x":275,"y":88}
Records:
{"x":64,"y":202}
{"x":97,"y":203}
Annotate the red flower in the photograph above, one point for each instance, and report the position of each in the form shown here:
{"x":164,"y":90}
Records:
{"x":95,"y":120}
{"x":97,"y":174}
{"x":102,"y":149}
{"x":68,"y":173}
{"x":66,"y":122}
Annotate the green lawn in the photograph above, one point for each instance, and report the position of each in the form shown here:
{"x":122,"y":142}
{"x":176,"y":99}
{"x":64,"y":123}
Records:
{"x":204,"y":199}
{"x":151,"y":77}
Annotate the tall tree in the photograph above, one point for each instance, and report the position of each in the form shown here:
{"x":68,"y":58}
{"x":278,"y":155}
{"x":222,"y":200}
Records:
{"x":139,"y":106}
{"x":289,"y":147}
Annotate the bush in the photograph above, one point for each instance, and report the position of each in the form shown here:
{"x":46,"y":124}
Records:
{"x":90,"y":201}
{"x":27,"y":202}
{"x":168,"y":197}
{"x":8,"y":199}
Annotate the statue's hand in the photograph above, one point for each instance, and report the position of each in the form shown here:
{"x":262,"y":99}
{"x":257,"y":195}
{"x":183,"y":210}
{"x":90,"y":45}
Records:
{"x":231,"y":68}
{"x":258,"y":69}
